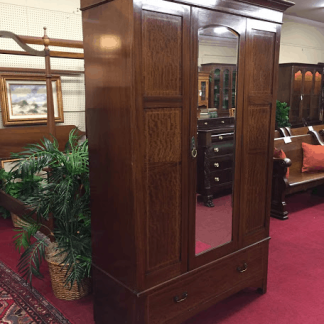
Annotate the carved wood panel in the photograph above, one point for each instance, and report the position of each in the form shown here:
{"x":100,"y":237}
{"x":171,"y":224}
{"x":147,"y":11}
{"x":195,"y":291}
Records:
{"x":255,"y":179}
{"x":261,"y":79}
{"x":259,"y":117}
{"x":162,"y":54}
{"x":262,"y":73}
{"x":163,"y":135}
{"x":163,"y":49}
{"x":258,"y":139}
{"x":163,"y":176}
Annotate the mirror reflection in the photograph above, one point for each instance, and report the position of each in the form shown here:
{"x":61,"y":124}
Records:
{"x":217,"y":83}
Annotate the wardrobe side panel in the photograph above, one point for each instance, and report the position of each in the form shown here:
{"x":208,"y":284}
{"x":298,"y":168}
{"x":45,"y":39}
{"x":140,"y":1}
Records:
{"x":108,"y":30}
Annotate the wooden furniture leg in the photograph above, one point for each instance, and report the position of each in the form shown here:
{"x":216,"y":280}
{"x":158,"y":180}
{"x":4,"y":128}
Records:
{"x":208,"y":201}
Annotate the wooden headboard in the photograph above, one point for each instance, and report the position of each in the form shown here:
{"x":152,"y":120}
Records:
{"x":14,"y":139}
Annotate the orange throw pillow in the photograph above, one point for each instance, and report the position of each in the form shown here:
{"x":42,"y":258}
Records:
{"x":313,"y":158}
{"x":280,"y":154}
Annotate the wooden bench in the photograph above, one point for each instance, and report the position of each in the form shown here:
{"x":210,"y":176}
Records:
{"x":277,"y":134}
{"x":14,"y":139}
{"x":20,"y":209}
{"x":301,"y":130}
{"x":297,"y":181}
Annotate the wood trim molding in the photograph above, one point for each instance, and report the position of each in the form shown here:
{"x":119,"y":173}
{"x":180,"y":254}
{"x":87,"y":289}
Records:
{"x":95,"y":4}
{"x":41,"y":71}
{"x":52,"y":41}
{"x":52,"y":54}
{"x":270,"y":10}
{"x":280,"y":5}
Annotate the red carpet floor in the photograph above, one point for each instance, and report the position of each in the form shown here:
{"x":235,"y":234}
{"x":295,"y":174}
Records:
{"x":211,"y":220}
{"x":78,"y":312}
{"x":296,"y":275}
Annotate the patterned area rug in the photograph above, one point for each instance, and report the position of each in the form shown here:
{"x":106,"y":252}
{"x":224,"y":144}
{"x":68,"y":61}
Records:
{"x":20,"y":304}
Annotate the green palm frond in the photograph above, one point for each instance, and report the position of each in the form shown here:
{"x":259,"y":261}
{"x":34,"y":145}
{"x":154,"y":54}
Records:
{"x":22,"y":238}
{"x":65,"y":195}
{"x":31,"y":259}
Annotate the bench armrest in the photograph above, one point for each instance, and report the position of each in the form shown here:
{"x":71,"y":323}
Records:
{"x":279,"y":180}
{"x":280,"y":166}
{"x":279,"y":185}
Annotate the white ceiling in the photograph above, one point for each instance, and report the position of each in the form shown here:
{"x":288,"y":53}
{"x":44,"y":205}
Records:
{"x":309,"y":9}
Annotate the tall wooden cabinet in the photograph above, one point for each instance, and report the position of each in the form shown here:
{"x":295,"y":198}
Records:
{"x":222,"y":86}
{"x":141,"y":98}
{"x":203,"y":90}
{"x":300,"y":86}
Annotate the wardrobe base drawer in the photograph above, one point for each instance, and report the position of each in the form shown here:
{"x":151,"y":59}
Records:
{"x":204,"y":284}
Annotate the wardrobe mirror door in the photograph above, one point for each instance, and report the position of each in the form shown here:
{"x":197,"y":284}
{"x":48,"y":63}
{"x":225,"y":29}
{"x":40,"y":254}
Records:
{"x":217,"y":82}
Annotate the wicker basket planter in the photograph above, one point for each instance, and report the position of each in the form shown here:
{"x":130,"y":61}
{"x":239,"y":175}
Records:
{"x":17,"y":221}
{"x":58,"y":283}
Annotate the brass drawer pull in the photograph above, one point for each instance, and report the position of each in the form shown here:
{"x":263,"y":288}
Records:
{"x":183,"y":298}
{"x":220,"y":137}
{"x":217,"y":179}
{"x":206,"y":123}
{"x":216,"y":165}
{"x":245,"y":267}
{"x":216,"y":149}
{"x":223,"y":122}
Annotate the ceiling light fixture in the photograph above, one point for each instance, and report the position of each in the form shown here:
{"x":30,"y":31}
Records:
{"x":220,"y":30}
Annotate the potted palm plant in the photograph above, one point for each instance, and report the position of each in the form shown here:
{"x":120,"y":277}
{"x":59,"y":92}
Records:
{"x":20,"y":187}
{"x":65,"y":196}
{"x":3,"y":181}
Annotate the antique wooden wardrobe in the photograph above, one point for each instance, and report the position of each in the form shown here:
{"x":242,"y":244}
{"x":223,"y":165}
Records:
{"x":141,"y":98}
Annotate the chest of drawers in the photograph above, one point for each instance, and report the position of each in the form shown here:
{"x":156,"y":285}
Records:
{"x":215,"y":157}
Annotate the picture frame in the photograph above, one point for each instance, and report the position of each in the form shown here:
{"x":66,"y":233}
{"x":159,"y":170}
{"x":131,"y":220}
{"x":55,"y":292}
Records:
{"x":24,"y":99}
{"x":7,"y":164}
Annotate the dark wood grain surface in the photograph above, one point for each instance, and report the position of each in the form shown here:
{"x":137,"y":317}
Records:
{"x":109,"y":110}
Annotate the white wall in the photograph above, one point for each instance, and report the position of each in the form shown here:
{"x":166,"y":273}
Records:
{"x":30,"y":20}
{"x":217,"y":54}
{"x":302,"y":41}
{"x":70,"y":6}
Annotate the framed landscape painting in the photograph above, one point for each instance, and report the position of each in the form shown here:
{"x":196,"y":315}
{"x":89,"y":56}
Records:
{"x":24,"y":99}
